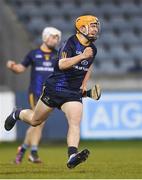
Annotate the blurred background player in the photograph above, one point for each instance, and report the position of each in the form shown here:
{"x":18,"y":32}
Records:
{"x":62,"y":88}
{"x":42,"y":61}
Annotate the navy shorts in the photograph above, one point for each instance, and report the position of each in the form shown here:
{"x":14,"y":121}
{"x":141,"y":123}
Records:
{"x":56,"y":99}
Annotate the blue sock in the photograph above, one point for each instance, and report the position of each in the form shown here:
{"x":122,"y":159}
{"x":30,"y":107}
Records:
{"x":24,"y":147}
{"x":34,"y":148}
{"x":17,"y":113}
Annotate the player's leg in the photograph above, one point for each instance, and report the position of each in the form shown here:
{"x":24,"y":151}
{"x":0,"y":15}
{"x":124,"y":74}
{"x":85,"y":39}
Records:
{"x":73,"y":112}
{"x":33,"y":137}
{"x":26,"y":144}
{"x":33,"y":118}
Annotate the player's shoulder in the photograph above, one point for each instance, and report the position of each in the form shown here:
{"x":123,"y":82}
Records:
{"x":68,"y":44}
{"x":72,"y":38}
{"x":70,"y":41}
{"x":34,"y":51}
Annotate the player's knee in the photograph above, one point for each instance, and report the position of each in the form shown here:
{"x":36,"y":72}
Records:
{"x":35,"y":122}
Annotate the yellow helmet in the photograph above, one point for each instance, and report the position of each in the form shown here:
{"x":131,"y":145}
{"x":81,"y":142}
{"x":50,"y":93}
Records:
{"x":86,"y":21}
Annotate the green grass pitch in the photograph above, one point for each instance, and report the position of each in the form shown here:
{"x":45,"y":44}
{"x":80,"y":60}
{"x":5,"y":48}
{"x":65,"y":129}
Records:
{"x":108,"y":159}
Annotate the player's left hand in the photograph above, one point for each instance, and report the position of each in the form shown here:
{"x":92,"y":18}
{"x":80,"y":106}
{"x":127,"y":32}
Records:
{"x":94,"y":92}
{"x":83,"y":89}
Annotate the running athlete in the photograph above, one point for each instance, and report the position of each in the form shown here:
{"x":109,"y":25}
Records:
{"x":42,"y":62}
{"x":62,"y":88}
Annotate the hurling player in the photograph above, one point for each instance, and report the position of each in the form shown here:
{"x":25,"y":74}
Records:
{"x":62,"y":88}
{"x":42,"y":61}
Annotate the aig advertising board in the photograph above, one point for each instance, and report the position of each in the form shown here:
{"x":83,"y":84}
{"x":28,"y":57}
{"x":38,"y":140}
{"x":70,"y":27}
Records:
{"x":114,"y":116}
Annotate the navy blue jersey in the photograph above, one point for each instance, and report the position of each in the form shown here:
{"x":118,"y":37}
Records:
{"x":42,"y":65}
{"x":73,"y":77}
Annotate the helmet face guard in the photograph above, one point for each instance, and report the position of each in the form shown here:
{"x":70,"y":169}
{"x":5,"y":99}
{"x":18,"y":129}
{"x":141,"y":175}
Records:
{"x":95,"y":37}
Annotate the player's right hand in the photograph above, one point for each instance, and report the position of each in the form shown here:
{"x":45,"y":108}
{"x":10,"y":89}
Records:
{"x":10,"y":64}
{"x":88,"y":53}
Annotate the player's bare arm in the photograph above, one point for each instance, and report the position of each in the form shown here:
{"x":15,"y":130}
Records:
{"x":16,"y":68}
{"x":66,"y":63}
{"x":87,"y":77}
